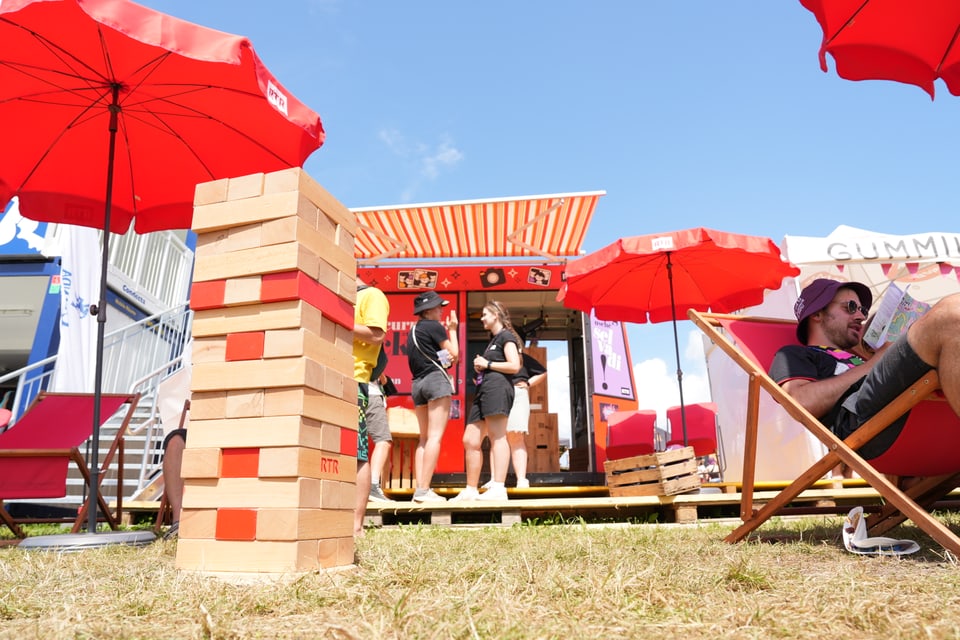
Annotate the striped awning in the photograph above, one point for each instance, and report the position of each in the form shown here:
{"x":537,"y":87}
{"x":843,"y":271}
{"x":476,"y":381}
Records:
{"x":548,"y":226}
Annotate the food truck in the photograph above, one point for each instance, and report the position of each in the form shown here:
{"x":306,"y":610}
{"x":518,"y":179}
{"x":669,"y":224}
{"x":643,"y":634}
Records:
{"x":512,"y":250}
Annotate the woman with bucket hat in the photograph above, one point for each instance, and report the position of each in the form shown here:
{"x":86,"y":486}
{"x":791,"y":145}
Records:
{"x":432,"y":349}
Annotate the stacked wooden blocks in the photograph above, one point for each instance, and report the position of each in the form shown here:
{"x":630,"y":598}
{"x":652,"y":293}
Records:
{"x":543,"y":435}
{"x":270,"y":464}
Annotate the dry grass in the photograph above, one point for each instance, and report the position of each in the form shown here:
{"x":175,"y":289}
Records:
{"x":548,"y":581}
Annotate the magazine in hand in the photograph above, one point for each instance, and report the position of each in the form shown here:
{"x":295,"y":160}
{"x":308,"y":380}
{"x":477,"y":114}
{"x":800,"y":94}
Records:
{"x":897,"y":311}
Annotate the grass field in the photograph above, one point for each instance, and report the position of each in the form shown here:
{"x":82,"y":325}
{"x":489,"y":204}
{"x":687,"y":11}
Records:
{"x":528,"y":581}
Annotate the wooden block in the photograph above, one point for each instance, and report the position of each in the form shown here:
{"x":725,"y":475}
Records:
{"x":292,"y":343}
{"x":239,"y":291}
{"x":197,"y":523}
{"x":210,"y":192}
{"x":265,"y":374}
{"x":209,"y":348}
{"x":207,"y":295}
{"x":302,"y":462}
{"x":200,"y":462}
{"x":245,"y":403}
{"x":273,"y":259}
{"x":290,"y":314}
{"x":664,"y":473}
{"x":237,"y":213}
{"x":274,"y":431}
{"x":237,"y":524}
{"x":336,"y":552}
{"x":310,"y":403}
{"x":328,"y":205}
{"x":239,"y":462}
{"x":282,"y":181}
{"x":295,"y":285}
{"x":280,"y":493}
{"x":244,"y":346}
{"x":228,"y":240}
{"x":296,"y":229}
{"x":243,"y":187}
{"x":208,"y":406}
{"x":304,"y":524}
{"x":230,"y":556}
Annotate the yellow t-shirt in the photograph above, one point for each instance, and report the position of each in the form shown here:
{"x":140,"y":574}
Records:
{"x":372,"y":310}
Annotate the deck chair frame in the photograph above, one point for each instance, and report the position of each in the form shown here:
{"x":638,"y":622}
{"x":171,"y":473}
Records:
{"x":116,"y":451}
{"x":900,"y":505}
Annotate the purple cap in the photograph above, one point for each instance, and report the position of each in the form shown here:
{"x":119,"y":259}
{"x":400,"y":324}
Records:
{"x":818,"y":294}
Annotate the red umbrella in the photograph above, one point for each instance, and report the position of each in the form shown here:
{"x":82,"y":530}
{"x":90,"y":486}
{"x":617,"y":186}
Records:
{"x":657,"y":277}
{"x":907,"y":41}
{"x":113,"y":113}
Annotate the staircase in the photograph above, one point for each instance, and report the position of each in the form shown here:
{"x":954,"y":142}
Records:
{"x":136,"y":359}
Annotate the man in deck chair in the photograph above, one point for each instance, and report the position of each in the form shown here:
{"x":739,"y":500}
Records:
{"x":841,"y":388}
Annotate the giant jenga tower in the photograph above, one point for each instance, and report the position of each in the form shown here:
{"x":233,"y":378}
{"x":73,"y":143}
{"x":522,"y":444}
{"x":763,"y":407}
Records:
{"x":270,"y":464}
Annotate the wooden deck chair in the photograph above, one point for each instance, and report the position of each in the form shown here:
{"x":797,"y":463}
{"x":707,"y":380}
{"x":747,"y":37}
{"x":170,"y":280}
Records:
{"x":630,"y":433}
{"x":927,"y":447}
{"x":36,"y":452}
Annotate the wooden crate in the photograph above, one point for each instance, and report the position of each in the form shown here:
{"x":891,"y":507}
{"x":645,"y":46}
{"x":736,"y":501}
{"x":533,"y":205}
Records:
{"x":665,"y":473}
{"x":543,"y":443}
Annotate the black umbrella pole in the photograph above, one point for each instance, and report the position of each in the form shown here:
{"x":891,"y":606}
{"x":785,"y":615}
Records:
{"x":676,"y":349}
{"x":101,"y":312}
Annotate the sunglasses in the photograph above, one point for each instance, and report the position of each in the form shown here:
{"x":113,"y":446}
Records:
{"x":851,"y":307}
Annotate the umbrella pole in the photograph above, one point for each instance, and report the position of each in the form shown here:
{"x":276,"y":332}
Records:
{"x":676,"y":349}
{"x":101,"y":313}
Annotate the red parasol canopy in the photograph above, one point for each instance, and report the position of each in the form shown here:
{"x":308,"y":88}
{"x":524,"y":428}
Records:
{"x":113,"y":113}
{"x":909,"y":41}
{"x":660,"y":276}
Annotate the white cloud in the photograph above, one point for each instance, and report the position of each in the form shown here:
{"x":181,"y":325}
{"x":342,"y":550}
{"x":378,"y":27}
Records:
{"x":427,"y":161}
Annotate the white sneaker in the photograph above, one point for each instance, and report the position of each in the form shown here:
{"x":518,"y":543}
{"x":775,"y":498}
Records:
{"x":523,"y":484}
{"x":468,"y":494}
{"x":427,"y":496}
{"x":496,"y":494}
{"x":486,"y":485}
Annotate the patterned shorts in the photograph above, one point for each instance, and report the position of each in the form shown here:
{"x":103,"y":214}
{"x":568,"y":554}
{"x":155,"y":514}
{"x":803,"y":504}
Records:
{"x":363,"y":440}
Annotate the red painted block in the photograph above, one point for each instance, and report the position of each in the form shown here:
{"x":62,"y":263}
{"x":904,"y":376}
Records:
{"x":244,"y":346}
{"x":240,"y":463}
{"x":207,"y":295}
{"x":296,"y":285}
{"x":348,"y":442}
{"x":236,"y":524}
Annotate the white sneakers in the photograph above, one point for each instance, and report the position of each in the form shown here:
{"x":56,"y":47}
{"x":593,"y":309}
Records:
{"x":497,"y":492}
{"x":427,"y":495}
{"x":523,"y":484}
{"x":468,"y":494}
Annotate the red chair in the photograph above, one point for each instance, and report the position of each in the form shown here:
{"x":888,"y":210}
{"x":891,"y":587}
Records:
{"x":630,"y":433}
{"x":36,"y":452}
{"x":702,"y":431}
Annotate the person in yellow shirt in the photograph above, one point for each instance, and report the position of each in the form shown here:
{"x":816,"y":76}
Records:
{"x":369,"y":330}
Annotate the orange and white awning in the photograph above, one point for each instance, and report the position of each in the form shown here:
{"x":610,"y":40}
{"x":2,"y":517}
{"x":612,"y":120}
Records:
{"x":547,"y":226}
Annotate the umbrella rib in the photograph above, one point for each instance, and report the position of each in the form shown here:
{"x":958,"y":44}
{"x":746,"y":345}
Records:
{"x":60,"y":53}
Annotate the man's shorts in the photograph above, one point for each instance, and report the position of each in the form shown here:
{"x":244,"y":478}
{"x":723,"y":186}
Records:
{"x":519,"y":419}
{"x":176,"y":432}
{"x":377,"y":425}
{"x":898,"y":368}
{"x":363,"y":440}
{"x":433,"y":386}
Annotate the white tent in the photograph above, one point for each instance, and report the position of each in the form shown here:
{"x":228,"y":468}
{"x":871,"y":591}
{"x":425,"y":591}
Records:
{"x":927,"y":263}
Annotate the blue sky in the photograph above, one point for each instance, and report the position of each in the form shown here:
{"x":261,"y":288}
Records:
{"x":687,"y":113}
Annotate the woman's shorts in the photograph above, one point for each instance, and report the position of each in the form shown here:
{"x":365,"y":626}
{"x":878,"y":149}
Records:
{"x":519,"y":419}
{"x":433,"y":386}
{"x":495,"y":400}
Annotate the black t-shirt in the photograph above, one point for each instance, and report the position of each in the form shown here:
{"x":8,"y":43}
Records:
{"x":494,"y":353}
{"x":795,"y":362}
{"x":430,"y":335}
{"x":529,"y":367}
